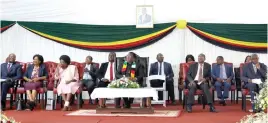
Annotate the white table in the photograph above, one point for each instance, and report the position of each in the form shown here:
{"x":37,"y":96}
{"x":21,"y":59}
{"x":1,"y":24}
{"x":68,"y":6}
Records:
{"x":122,"y":92}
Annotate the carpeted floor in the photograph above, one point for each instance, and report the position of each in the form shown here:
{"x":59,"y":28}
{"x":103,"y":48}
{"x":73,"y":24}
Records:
{"x":231,"y":113}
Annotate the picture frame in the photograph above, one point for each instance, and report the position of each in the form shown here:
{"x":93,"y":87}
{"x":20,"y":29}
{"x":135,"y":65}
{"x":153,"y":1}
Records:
{"x":144,"y":16}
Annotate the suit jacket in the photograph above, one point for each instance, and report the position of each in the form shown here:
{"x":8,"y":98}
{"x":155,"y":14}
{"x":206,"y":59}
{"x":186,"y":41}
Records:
{"x":139,"y":72}
{"x":102,"y":71}
{"x":93,"y":71}
{"x":42,"y":71}
{"x":14,"y":73}
{"x":248,"y":72}
{"x":228,"y":70}
{"x":167,"y":70}
{"x":193,"y":71}
{"x":147,"y":18}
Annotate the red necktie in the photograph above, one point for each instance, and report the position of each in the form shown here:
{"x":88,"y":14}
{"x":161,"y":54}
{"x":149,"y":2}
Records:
{"x":111,"y":71}
{"x":8,"y":67}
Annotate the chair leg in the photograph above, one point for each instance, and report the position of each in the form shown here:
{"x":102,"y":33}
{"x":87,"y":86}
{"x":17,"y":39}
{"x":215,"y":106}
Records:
{"x":61,"y":101}
{"x":45,"y":101}
{"x":183,"y":102}
{"x":231,"y":97}
{"x":236,"y":96}
{"x":11,"y":101}
{"x":164,"y":98}
{"x":42,"y":101}
{"x":243,"y":102}
{"x":78,"y":100}
{"x":203,"y":101}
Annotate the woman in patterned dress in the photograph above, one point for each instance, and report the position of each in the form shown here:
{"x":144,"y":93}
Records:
{"x":34,"y":76}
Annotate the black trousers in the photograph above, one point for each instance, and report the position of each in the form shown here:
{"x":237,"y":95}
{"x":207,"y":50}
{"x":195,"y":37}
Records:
{"x":204,"y":87}
{"x":169,"y":88}
{"x":5,"y":86}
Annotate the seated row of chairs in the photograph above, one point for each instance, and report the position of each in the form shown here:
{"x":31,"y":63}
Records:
{"x":50,"y":84}
{"x":237,"y":85}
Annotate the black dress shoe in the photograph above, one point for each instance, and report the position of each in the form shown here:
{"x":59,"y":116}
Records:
{"x":212,"y":109}
{"x":189,"y":108}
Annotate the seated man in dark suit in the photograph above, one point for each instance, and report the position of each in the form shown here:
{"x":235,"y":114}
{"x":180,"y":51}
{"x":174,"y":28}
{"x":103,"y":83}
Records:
{"x":253,"y":70}
{"x":131,"y":67}
{"x":106,"y":74}
{"x":223,"y":75}
{"x":198,"y":77}
{"x":89,"y":77}
{"x":10,"y":71}
{"x":163,"y":68}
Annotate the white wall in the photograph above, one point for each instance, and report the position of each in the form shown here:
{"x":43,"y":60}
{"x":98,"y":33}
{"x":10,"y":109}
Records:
{"x":175,"y":46}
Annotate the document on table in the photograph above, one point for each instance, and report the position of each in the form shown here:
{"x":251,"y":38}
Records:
{"x":1,"y":80}
{"x":256,"y":81}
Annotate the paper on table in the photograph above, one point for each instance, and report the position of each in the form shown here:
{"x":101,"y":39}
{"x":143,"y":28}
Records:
{"x":2,"y":80}
{"x":154,"y":77}
{"x":257,"y":81}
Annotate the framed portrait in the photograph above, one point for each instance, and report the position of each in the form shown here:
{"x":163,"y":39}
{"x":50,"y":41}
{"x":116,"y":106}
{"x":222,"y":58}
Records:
{"x":144,"y":16}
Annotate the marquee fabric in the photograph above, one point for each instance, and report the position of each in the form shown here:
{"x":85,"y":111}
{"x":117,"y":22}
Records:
{"x":6,"y":25}
{"x":241,"y":37}
{"x":99,"y":37}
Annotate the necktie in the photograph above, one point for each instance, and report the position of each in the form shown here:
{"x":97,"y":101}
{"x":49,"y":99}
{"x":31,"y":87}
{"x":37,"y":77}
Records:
{"x":200,"y":76}
{"x":160,"y":71}
{"x":8,"y":67}
{"x":111,"y":71}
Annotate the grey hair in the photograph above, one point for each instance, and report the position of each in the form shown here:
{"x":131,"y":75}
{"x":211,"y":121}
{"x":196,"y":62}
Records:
{"x":203,"y":55}
{"x":254,"y":55}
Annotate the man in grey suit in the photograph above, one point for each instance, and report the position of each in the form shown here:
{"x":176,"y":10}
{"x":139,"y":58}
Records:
{"x":253,"y":70}
{"x":163,"y":68}
{"x":198,"y":77}
{"x":144,"y":18}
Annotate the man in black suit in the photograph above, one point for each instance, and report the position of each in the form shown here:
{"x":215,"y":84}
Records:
{"x":198,"y":77}
{"x":10,"y":71}
{"x":90,"y":75}
{"x":131,"y":65}
{"x":106,"y":74}
{"x":253,"y":70}
{"x":163,"y":68}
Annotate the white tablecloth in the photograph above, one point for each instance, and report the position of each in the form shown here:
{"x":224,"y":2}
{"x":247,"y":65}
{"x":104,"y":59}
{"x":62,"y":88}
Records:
{"x":120,"y":92}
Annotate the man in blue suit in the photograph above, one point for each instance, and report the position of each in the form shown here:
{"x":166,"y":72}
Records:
{"x":253,"y":70}
{"x":163,"y":68}
{"x":223,"y":75}
{"x":10,"y":72}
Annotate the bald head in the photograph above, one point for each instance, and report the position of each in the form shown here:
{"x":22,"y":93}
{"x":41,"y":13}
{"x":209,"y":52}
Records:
{"x":160,"y":57}
{"x":11,"y":58}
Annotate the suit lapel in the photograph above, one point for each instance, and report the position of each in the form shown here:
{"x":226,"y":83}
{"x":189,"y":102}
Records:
{"x":5,"y":67}
{"x":195,"y":69}
{"x":226,"y":70}
{"x":91,"y":67}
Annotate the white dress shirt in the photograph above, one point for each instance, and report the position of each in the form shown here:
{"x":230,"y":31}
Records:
{"x":254,"y":68}
{"x":86,"y":74}
{"x":197,"y":74}
{"x":223,"y":76}
{"x":107,"y":73}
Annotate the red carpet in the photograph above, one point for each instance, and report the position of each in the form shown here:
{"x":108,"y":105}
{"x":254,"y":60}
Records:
{"x":231,"y":113}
